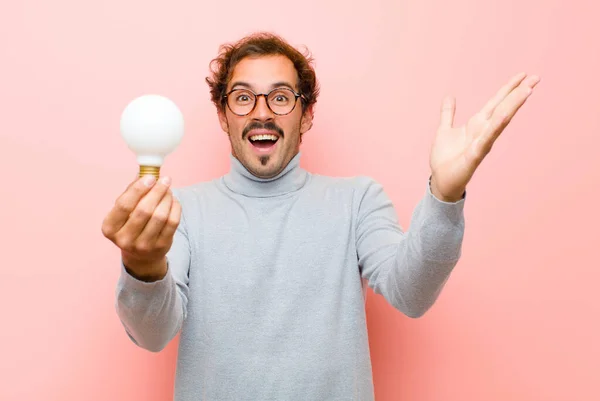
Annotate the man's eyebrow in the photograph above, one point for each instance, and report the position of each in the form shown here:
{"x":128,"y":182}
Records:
{"x":241,"y":83}
{"x":282,"y":83}
{"x":273,"y":86}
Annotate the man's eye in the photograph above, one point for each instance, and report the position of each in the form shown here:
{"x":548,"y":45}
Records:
{"x":244,"y":98}
{"x":280,"y":98}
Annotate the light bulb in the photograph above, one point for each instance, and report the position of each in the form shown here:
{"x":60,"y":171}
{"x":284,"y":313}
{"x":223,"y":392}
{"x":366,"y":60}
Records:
{"x":152,"y":126}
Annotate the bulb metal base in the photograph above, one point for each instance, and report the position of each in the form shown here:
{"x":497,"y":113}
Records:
{"x":150,"y":170}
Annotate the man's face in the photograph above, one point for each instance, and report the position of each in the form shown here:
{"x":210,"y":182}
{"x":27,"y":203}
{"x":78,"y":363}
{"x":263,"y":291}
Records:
{"x":265,"y":159}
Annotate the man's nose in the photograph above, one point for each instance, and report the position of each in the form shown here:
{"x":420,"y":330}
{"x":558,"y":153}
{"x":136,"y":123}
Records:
{"x":262,"y":112}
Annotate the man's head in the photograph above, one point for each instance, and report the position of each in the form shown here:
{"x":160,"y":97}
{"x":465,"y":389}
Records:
{"x":265,"y":131}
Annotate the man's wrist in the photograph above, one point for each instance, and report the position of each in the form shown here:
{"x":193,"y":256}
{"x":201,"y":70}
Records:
{"x":146,"y":271}
{"x":450,"y":198}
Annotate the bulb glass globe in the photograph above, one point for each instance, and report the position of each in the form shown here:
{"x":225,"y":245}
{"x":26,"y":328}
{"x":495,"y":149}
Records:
{"x":152,"y":126}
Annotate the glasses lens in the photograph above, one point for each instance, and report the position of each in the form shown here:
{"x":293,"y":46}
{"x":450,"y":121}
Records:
{"x":241,"y":101}
{"x":282,"y":101}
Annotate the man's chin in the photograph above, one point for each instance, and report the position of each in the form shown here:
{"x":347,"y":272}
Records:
{"x":264,"y":160}
{"x":265,"y":172}
{"x":265,"y":166}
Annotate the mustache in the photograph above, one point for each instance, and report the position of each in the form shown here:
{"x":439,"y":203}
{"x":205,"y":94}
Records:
{"x":269,"y":125}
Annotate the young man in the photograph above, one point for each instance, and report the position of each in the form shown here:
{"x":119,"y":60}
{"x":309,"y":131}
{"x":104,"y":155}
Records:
{"x":262,"y":269}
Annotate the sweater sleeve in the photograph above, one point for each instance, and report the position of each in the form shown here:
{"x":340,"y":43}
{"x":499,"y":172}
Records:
{"x":409,"y":269}
{"x":153,"y":313}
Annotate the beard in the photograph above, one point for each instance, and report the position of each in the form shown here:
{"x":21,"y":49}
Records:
{"x":262,"y":166}
{"x":269,"y":125}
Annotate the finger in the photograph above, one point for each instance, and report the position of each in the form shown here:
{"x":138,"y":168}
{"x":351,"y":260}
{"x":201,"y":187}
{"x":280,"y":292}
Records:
{"x":166,"y":236}
{"x":143,"y":212}
{"x":491,"y":105}
{"x":125,"y":204}
{"x":502,"y":116}
{"x":447,"y":112}
{"x":506,"y":110}
{"x":154,"y":226}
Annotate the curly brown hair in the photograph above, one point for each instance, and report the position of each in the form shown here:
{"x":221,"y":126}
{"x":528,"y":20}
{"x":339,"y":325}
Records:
{"x":256,"y":45}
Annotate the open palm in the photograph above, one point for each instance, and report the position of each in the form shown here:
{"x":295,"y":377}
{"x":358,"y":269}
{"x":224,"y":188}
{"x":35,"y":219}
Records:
{"x":457,"y":151}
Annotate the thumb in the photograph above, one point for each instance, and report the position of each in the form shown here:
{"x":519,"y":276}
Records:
{"x":447,"y":112}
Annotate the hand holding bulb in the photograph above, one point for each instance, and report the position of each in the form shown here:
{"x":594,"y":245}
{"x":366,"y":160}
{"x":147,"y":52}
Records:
{"x":143,"y":221}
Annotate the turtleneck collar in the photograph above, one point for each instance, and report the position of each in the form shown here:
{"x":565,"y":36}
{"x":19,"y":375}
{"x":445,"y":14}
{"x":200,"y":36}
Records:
{"x":241,"y":181}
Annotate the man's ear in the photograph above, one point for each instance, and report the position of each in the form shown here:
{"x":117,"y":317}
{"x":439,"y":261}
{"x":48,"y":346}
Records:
{"x":307,"y":120}
{"x":223,"y":121}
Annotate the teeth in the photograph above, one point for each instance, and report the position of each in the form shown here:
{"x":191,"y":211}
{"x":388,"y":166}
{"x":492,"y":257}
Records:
{"x":263,"y":137}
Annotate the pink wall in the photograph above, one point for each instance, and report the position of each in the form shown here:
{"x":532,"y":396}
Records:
{"x":517,"y":320}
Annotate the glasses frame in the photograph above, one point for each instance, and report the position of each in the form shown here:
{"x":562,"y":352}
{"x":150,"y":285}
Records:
{"x":266,"y":95}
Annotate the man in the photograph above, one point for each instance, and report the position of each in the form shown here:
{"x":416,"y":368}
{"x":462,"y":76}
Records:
{"x":261,"y":270}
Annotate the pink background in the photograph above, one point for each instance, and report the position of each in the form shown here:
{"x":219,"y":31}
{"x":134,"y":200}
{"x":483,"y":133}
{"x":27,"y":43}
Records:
{"x":518,"y":319}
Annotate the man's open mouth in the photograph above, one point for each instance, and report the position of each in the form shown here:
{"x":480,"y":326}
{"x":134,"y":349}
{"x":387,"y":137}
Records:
{"x":263,"y":141}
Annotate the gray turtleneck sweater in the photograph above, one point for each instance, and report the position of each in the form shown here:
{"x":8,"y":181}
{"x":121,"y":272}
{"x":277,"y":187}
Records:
{"x":266,"y":283}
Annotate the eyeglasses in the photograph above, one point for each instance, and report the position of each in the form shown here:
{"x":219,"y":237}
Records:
{"x":280,"y":101}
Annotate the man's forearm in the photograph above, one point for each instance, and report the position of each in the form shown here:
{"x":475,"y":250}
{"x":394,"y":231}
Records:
{"x":152,"y":312}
